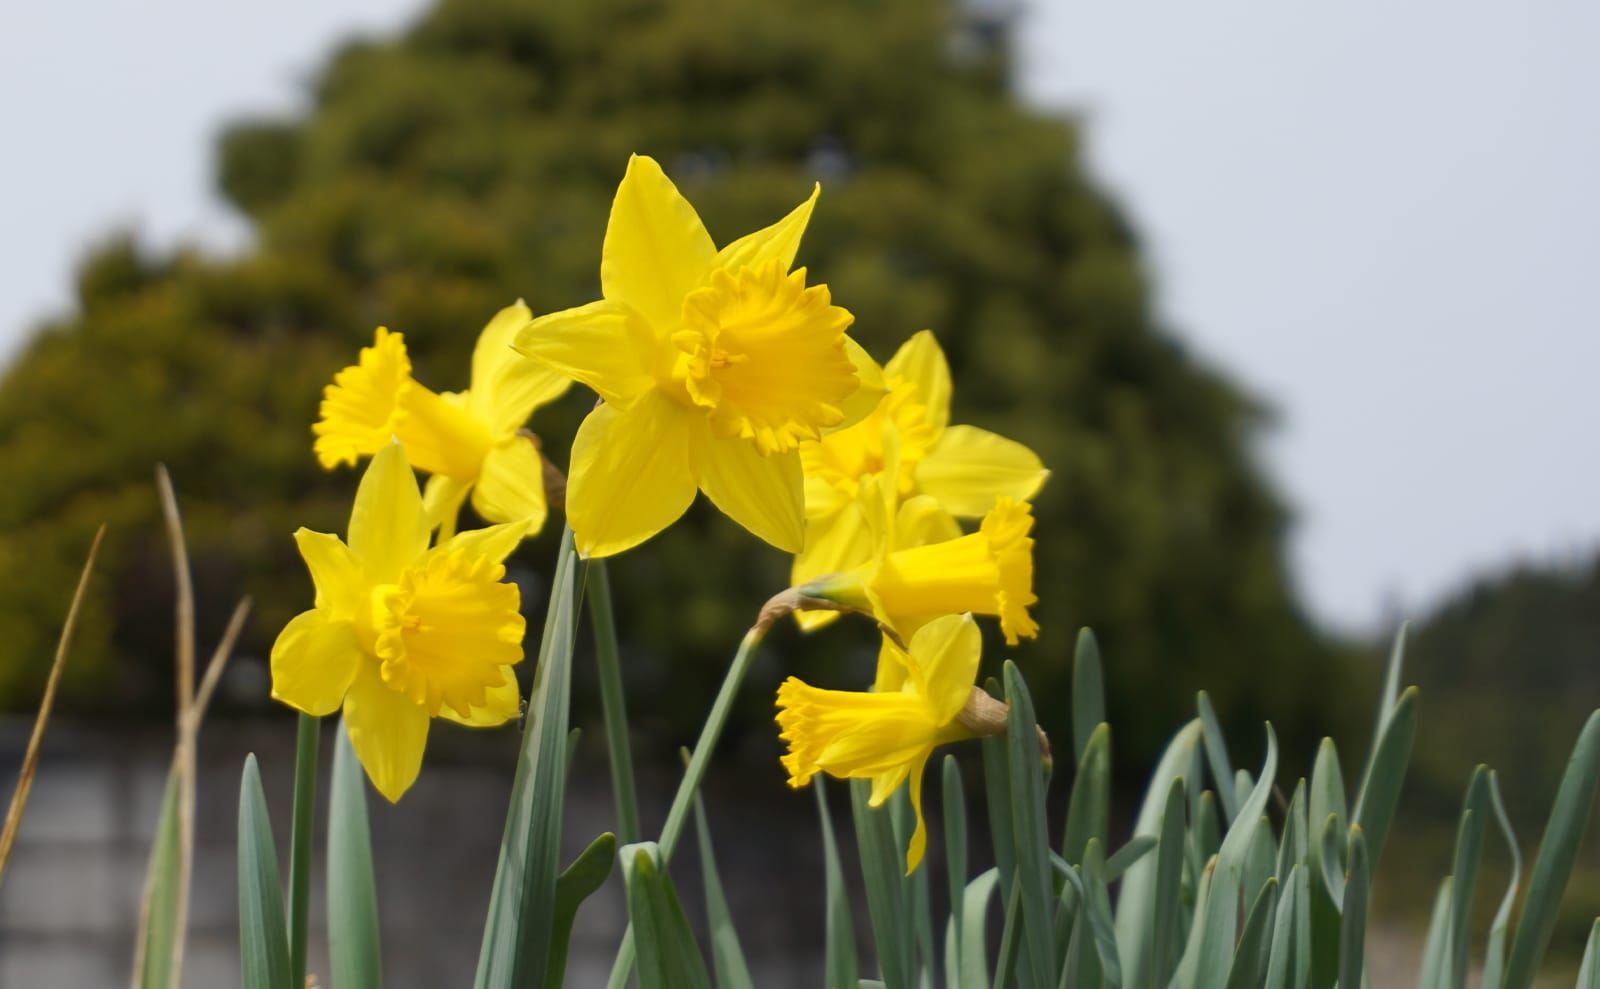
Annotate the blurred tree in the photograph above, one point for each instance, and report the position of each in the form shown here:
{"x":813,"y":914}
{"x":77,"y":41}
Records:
{"x":472,"y":160}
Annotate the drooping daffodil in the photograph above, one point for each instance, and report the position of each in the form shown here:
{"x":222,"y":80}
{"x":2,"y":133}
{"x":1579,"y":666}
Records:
{"x":887,"y":735}
{"x":960,"y":471}
{"x":401,"y":633}
{"x":988,"y":572}
{"x":471,"y":442}
{"x":712,"y":366}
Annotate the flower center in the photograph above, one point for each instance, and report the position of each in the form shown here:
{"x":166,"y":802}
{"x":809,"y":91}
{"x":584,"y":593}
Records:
{"x":446,"y":629}
{"x":764,"y":355}
{"x":848,"y":456}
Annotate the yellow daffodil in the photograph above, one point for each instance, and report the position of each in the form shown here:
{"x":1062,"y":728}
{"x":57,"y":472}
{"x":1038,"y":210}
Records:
{"x":401,"y":633}
{"x":712,"y":366}
{"x":469,"y":441}
{"x":960,"y":471}
{"x":886,"y":736}
{"x":989,"y":572}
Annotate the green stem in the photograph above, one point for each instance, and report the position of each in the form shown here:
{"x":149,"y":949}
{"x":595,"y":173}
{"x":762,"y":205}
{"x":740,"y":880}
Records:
{"x":613,"y":704}
{"x":305,"y":796}
{"x":684,"y":800}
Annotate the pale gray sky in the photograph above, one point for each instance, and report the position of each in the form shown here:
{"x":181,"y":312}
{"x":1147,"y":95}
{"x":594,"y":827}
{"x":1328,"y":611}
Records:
{"x":1382,"y":217}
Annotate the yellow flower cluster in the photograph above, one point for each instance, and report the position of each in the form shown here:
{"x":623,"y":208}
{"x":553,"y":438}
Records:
{"x":722,"y":370}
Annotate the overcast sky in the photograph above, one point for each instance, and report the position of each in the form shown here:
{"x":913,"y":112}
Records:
{"x":1382,"y":217}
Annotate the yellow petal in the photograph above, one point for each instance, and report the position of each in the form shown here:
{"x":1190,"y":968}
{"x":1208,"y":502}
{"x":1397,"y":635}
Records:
{"x":313,"y":661}
{"x":656,"y":249}
{"x":387,"y":526}
{"x":511,"y":487}
{"x":834,"y":544}
{"x":765,"y":494}
{"x":360,"y":411}
{"x":921,"y":362}
{"x":441,"y":503}
{"x":387,"y":731}
{"x":894,"y":669}
{"x":919,"y":838}
{"x":503,"y":704}
{"x":922,"y":521}
{"x":631,"y":473}
{"x":970,"y":468}
{"x":335,"y":572}
{"x":778,"y":242}
{"x":945,"y":652}
{"x":869,"y":391}
{"x":507,"y":387}
{"x":493,"y":543}
{"x":605,"y":345}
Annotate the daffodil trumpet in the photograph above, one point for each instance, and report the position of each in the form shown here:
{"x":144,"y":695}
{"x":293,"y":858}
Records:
{"x":401,"y":632}
{"x":989,"y":572}
{"x":471,"y":442}
{"x":713,"y":366}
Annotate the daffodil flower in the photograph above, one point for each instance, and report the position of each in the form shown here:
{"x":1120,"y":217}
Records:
{"x":886,"y":736}
{"x":959,"y":470}
{"x":713,"y":366}
{"x":469,"y":441}
{"x":989,"y":572}
{"x":401,"y":633}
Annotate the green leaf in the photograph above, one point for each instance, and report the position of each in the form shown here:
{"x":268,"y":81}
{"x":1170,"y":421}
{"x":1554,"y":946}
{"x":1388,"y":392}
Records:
{"x":1352,"y":936}
{"x":1589,"y":968}
{"x":1293,"y":850}
{"x":1205,"y":836}
{"x":1124,"y":858}
{"x":1470,"y":835}
{"x":1221,"y":924}
{"x":1380,"y":791}
{"x":1436,"y":947}
{"x":1333,"y":877}
{"x":1391,"y":695}
{"x":1287,"y":966}
{"x":1029,"y":834}
{"x":1569,"y":818}
{"x":161,"y":885}
{"x":727,"y":958}
{"x":667,"y":955}
{"x":973,"y":933}
{"x":352,"y":887}
{"x":1089,"y":809}
{"x":1136,"y":906}
{"x":579,"y":881}
{"x":955,"y":859}
{"x":883,"y":864}
{"x":1255,"y":944}
{"x":1326,"y":799}
{"x":613,"y":703}
{"x":263,"y":937}
{"x":1259,"y":862}
{"x":1494,"y":959}
{"x":1088,"y":693}
{"x":1005,"y":969}
{"x":913,"y":886}
{"x":1217,"y":756}
{"x":1186,"y":975}
{"x":1097,"y":909}
{"x":516,"y":936}
{"x":308,"y":739}
{"x":1165,"y":936}
{"x":841,"y":939}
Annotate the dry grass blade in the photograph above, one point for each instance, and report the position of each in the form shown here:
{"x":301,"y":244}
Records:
{"x":188,"y":729}
{"x":30,"y":759}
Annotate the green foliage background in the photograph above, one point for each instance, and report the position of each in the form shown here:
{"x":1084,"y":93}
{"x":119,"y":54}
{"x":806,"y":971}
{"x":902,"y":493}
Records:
{"x":440,"y":175}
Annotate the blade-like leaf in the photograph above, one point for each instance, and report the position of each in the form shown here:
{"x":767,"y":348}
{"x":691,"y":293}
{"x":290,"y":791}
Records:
{"x":1569,"y":819}
{"x":1124,"y":858}
{"x":1136,"y":906}
{"x":1255,"y":944}
{"x":727,"y":958}
{"x":1436,"y":947}
{"x":883,"y":865}
{"x":1165,"y":934}
{"x":516,"y":937}
{"x":955,"y":859}
{"x":1589,"y":968}
{"x":1221,"y":924}
{"x":1352,"y":936}
{"x":352,"y":888}
{"x":579,"y":881}
{"x":1494,"y":959}
{"x":1380,"y":791}
{"x":1032,"y":844}
{"x":263,"y":938}
{"x":1089,"y":809}
{"x":1470,"y":835}
{"x":974,"y":970}
{"x":1217,"y":756}
{"x":667,"y":956}
{"x":841,"y":940}
{"x":1294,"y":849}
{"x":1088,"y":692}
{"x":161,"y":895}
